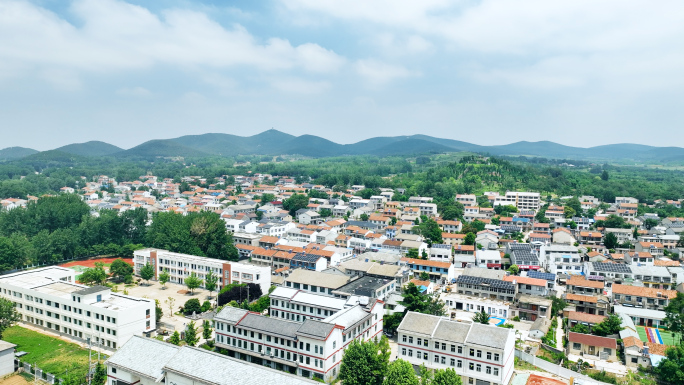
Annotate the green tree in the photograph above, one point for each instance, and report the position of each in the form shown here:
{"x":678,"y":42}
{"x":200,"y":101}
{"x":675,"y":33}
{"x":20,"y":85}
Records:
{"x":191,"y":334}
{"x":413,"y":253}
{"x":419,"y":302}
{"x":514,"y":270}
{"x":120,"y":269}
{"x":147,"y":272}
{"x":94,"y":275}
{"x":574,"y":204}
{"x":192,"y":306}
{"x":424,"y":276}
{"x":481,"y":317}
{"x":609,"y":326}
{"x":671,"y":369}
{"x":206,"y":330}
{"x":451,"y":212}
{"x":580,"y":328}
{"x":400,"y":372}
{"x":364,"y":363}
{"x":610,"y":241}
{"x":650,"y":223}
{"x":426,"y":375}
{"x":604,"y":175}
{"x":210,"y":282}
{"x":295,"y":202}
{"x":680,"y":243}
{"x":100,"y":375}
{"x":266,"y":198}
{"x":193,"y":282}
{"x":8,"y":315}
{"x":569,"y":212}
{"x":158,"y":312}
{"x":674,"y":315}
{"x":446,"y":377}
{"x":164,"y":277}
{"x":175,"y":338}
{"x":469,"y":239}
{"x":429,"y":230}
{"x":363,"y":217}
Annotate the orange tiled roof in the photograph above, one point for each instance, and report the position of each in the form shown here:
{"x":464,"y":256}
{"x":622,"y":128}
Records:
{"x":577,"y":297}
{"x":648,"y":292}
{"x":525,"y":280}
{"x":424,"y":262}
{"x":576,"y":280}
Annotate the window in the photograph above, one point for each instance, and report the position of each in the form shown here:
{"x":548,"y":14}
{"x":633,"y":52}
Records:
{"x":489,"y":355}
{"x":420,"y":341}
{"x":496,"y":356}
{"x":425,"y":355}
{"x":459,"y":364}
{"x":460,"y":350}
{"x":496,"y":371}
{"x":488,"y":369}
{"x":452,"y":362}
{"x":634,"y":360}
{"x":425,"y":342}
{"x":453,"y":348}
{"x":576,"y":346}
{"x":410,"y":341}
{"x":113,"y":370}
{"x":403,"y":351}
{"x":479,"y":354}
{"x":472,"y":352}
{"x":478,"y":368}
{"x":471,"y":366}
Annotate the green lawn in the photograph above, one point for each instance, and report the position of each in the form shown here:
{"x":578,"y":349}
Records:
{"x":52,"y":355}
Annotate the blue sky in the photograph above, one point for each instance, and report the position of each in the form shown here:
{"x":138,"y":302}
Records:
{"x":489,"y":72}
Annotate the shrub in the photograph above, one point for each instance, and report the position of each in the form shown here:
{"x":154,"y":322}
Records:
{"x":206,"y":306}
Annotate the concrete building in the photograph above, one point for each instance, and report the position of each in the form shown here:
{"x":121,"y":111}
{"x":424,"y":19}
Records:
{"x":529,"y":307}
{"x":603,"y":348}
{"x":436,"y":270}
{"x":180,"y":266}
{"x":561,"y":259}
{"x":50,"y":299}
{"x":315,"y":281}
{"x":312,"y":348}
{"x":642,"y":297}
{"x":519,"y":199}
{"x":480,"y":354}
{"x":6,"y":358}
{"x":493,"y":307}
{"x":146,"y":361}
{"x":298,"y":305}
{"x":485,"y":287}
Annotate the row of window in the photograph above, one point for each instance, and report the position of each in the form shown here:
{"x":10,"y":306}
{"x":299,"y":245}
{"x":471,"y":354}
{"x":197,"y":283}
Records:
{"x":72,"y":332}
{"x":452,"y":361}
{"x":75,"y":310}
{"x":452,"y":348}
{"x":311,"y":309}
{"x":268,"y":338}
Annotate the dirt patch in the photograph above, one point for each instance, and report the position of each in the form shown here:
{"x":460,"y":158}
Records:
{"x":183,"y":291}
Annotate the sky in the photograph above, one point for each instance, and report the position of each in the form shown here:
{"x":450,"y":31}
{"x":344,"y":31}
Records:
{"x":577,"y":72}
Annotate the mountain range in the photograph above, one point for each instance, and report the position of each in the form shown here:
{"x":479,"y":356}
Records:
{"x":273,"y":142}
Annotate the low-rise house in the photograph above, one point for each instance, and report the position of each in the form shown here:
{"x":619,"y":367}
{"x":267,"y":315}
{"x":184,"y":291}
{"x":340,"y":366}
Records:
{"x":527,"y":285}
{"x":592,"y":304}
{"x":643,"y":297}
{"x":315,"y":281}
{"x":604,"y":348}
{"x":529,"y":307}
{"x":563,"y":236}
{"x":590,"y":237}
{"x":540,"y":327}
{"x":586,"y":319}
{"x":481,"y":283}
{"x":371,"y":287}
{"x":490,"y":259}
{"x":440,"y":252}
{"x":436,"y":270}
{"x":579,"y":285}
{"x":642,"y":317}
{"x":493,"y":307}
{"x":655,"y":248}
{"x":298,"y":305}
{"x":611,"y":272}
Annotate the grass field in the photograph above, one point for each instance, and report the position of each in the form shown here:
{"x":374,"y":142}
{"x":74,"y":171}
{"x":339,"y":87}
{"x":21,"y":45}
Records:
{"x":50,"y":354}
{"x":667,"y":337}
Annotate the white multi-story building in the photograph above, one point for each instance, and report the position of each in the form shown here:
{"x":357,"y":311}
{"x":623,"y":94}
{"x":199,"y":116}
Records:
{"x":480,"y":354}
{"x":521,"y":200}
{"x":180,"y":266}
{"x":146,"y":361}
{"x":561,"y":259}
{"x":493,"y":307}
{"x":312,"y":348}
{"x":50,"y":299}
{"x":298,"y":305}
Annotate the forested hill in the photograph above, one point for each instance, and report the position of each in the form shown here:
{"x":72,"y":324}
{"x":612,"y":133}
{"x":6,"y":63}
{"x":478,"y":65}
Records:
{"x":273,"y":143}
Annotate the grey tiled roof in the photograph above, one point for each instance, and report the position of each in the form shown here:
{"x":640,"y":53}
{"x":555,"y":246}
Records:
{"x":451,"y":331}
{"x":91,"y":290}
{"x":270,"y":325}
{"x":418,"y":323}
{"x":144,"y":356}
{"x":231,"y":314}
{"x":315,"y":329}
{"x":487,"y":335}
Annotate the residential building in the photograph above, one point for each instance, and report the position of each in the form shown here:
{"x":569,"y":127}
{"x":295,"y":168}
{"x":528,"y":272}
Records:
{"x":6,"y":358}
{"x":49,"y":298}
{"x":436,"y":270}
{"x":592,"y":304}
{"x":528,"y":285}
{"x":519,"y":199}
{"x":586,"y":319}
{"x":642,"y":297}
{"x":480,"y":354}
{"x":603,"y":348}
{"x":529,"y":307}
{"x":493,"y":307}
{"x":611,"y":272}
{"x":366,"y":286}
{"x":561,"y":259}
{"x":147,"y":361}
{"x":490,"y":259}
{"x":658,"y":277}
{"x":655,"y":248}
{"x":485,"y":287}
{"x":180,"y":266}
{"x":579,"y":285}
{"x":312,"y":348}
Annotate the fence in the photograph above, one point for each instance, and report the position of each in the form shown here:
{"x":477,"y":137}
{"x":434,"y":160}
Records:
{"x":28,"y":368}
{"x":557,"y":369}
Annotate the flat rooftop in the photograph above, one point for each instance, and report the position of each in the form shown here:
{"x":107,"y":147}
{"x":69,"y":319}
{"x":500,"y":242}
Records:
{"x":33,"y":278}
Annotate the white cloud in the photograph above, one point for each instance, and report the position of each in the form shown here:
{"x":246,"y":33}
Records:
{"x":114,"y":36}
{"x":379,"y":73}
{"x":572,"y":43}
{"x":300,"y":86}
